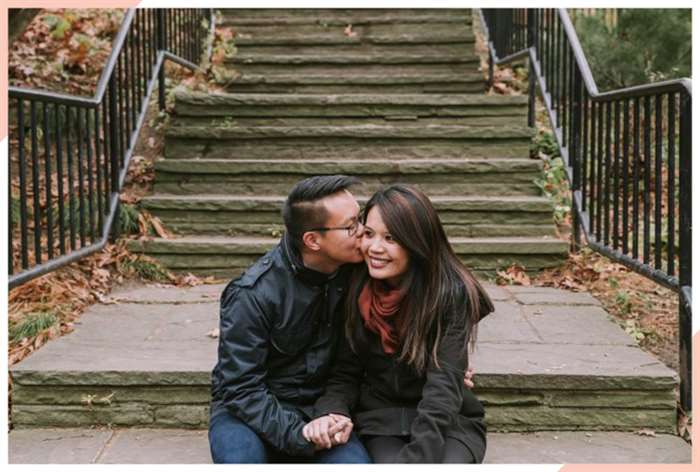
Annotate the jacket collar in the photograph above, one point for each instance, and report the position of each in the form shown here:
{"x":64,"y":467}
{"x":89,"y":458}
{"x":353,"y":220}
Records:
{"x":305,"y":274}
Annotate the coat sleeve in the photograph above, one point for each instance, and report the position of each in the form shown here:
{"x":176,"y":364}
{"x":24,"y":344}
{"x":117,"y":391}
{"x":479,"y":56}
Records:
{"x":244,"y":339}
{"x":343,"y":387}
{"x":441,"y":399}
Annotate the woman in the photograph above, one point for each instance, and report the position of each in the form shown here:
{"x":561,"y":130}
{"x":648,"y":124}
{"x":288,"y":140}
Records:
{"x":412,"y":311}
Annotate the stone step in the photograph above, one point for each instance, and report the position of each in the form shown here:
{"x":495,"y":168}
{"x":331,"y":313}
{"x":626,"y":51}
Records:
{"x":358,"y":79}
{"x":374,"y":56}
{"x":280,"y":121}
{"x":393,"y":130}
{"x":426,"y":61}
{"x":486,"y":177}
{"x":352,"y":64}
{"x":389,"y":140}
{"x":184,"y":446}
{"x":229,"y":256}
{"x":393,"y":107}
{"x":377,"y":34}
{"x":546,"y":360}
{"x":332,"y":49}
{"x":260,"y":216}
{"x":228,"y":143}
{"x":334,"y":17}
{"x":191,"y":446}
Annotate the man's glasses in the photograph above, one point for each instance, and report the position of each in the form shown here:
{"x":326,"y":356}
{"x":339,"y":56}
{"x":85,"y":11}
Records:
{"x":352,"y":229}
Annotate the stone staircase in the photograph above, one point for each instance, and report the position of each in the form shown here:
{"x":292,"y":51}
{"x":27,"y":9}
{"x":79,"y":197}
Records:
{"x":547,"y":360}
{"x":385,"y":51}
{"x":384,"y":95}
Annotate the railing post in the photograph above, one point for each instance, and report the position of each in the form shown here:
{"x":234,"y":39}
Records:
{"x":160,"y":46}
{"x":114,"y":153}
{"x":685,"y":330}
{"x":575,"y":158}
{"x":531,"y":78}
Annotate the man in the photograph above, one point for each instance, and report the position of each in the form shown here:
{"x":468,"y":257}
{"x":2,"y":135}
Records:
{"x":279,"y":326}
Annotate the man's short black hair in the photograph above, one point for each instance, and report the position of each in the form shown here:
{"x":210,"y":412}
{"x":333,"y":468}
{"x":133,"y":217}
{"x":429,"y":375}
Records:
{"x":302,"y":210}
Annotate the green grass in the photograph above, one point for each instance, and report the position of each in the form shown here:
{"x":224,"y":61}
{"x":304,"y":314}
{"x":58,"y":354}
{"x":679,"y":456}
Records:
{"x":128,"y":219}
{"x":554,"y":184}
{"x":145,"y":269}
{"x":32,"y":325}
{"x":546,"y":143}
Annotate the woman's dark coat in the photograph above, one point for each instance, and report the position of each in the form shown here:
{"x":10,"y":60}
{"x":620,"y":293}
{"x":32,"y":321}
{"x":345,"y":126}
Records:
{"x":387,"y":397}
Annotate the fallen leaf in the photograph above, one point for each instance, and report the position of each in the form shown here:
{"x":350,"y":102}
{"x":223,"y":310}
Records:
{"x":160,"y":230}
{"x":106,"y":300}
{"x":214,"y":333}
{"x":500,"y":88}
{"x":189,"y":280}
{"x":513,"y":275}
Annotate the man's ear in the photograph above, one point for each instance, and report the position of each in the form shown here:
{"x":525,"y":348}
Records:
{"x":310,"y":239}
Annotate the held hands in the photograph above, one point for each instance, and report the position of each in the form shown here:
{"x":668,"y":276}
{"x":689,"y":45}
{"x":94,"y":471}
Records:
{"x":333,"y":429}
{"x":468,"y":377}
{"x":328,"y":431}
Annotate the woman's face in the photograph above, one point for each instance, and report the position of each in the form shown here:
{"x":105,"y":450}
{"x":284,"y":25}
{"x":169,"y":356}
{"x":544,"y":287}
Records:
{"x":385,"y":258}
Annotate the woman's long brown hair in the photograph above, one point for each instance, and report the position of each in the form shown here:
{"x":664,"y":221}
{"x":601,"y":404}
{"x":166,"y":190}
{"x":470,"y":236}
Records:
{"x":435,"y":282}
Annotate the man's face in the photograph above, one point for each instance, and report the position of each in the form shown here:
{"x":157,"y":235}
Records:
{"x":337,"y":245}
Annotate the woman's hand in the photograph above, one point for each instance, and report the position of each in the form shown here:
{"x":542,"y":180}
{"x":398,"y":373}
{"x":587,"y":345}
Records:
{"x":468,"y":378}
{"x":328,"y":431}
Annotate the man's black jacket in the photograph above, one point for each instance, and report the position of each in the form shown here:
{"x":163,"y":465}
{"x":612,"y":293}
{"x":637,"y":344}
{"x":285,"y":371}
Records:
{"x":279,"y":324}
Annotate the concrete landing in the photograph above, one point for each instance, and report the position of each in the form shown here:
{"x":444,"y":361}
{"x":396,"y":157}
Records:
{"x":546,"y":360}
{"x":152,"y":446}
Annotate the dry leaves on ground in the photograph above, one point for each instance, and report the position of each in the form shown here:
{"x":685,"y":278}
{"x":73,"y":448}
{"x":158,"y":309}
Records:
{"x":513,"y":275}
{"x":64,"y":50}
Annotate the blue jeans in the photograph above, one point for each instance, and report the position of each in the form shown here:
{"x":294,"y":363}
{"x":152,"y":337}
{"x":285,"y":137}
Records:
{"x":231,"y":441}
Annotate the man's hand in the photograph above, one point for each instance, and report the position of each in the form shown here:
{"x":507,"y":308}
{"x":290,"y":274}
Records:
{"x":328,"y":431}
{"x":468,"y":375}
{"x":343,"y":435}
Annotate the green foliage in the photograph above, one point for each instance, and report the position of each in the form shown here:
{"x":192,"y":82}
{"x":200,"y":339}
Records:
{"x":146,"y":269}
{"x":646,"y":45}
{"x":623,"y":302}
{"x":639,"y":333}
{"x":32,"y":325}
{"x":634,"y":330}
{"x":58,"y":25}
{"x":544,"y":143}
{"x":85,"y":41}
{"x":554,"y":182}
{"x":128,"y":219}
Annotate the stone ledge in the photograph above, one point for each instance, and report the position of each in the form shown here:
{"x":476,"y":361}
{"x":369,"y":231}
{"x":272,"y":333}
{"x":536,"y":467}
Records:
{"x":428,"y":100}
{"x":359,"y":131}
{"x":178,"y":446}
{"x":523,"y":417}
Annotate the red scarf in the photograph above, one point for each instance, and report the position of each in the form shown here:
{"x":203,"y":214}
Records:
{"x":378,"y":307}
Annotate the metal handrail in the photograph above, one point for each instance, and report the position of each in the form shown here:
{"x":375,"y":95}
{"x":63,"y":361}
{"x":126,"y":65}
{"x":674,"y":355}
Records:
{"x":574,"y":106}
{"x":103,"y":129}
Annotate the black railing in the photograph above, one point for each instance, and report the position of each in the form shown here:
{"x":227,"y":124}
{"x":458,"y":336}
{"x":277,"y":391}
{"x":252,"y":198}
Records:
{"x":627,"y":154}
{"x":69,"y":155}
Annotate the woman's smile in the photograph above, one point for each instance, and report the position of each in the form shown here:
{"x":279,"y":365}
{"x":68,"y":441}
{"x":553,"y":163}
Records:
{"x":378,"y":263}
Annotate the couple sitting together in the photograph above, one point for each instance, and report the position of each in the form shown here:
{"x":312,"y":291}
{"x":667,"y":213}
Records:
{"x":347,"y":342}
